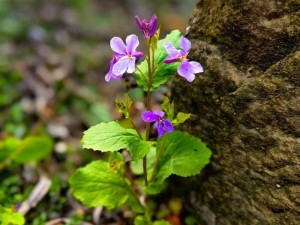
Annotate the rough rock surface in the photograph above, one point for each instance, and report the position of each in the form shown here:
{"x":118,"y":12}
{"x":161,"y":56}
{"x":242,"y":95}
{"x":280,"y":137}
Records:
{"x":246,"y":107}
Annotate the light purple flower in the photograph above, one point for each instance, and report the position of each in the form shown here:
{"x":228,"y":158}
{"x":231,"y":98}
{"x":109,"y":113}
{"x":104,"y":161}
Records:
{"x":148,"y":29}
{"x":125,"y":55}
{"x":163,"y":125}
{"x":187,"y":69}
{"x":110,"y":73}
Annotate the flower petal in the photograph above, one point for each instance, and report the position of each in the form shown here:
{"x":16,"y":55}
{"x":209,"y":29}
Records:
{"x":138,"y":54}
{"x":138,"y":22}
{"x":160,"y":129}
{"x":118,"y":46}
{"x":121,"y":66}
{"x":108,"y":77}
{"x":159,"y":113}
{"x":195,"y":67}
{"x":132,"y":42}
{"x":183,"y":70}
{"x":153,"y":25}
{"x":149,"y":117}
{"x":131,"y":65}
{"x":185,"y":44}
{"x":171,"y":60}
{"x":168,"y":127}
{"x":171,"y":50}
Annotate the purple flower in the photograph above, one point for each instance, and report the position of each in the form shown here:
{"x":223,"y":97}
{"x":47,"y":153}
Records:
{"x":148,"y":29}
{"x":163,"y":125}
{"x":125,"y":55}
{"x":110,"y":73}
{"x":187,"y":69}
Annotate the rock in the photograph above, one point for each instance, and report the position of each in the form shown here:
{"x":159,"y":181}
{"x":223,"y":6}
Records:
{"x":246,"y":107}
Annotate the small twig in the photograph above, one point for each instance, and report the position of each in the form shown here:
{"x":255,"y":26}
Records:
{"x":39,"y":191}
{"x":97,"y":215}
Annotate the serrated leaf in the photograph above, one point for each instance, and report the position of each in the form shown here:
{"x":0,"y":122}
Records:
{"x":124,"y":106}
{"x":32,"y":149}
{"x":112,"y":137}
{"x":10,"y":217}
{"x":163,"y":71}
{"x":183,"y":155}
{"x":95,"y":184}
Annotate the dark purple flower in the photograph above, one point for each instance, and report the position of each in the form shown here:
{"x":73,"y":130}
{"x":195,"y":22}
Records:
{"x":110,"y":73}
{"x":163,"y":125}
{"x":125,"y":55}
{"x":148,"y":29}
{"x":187,"y":69}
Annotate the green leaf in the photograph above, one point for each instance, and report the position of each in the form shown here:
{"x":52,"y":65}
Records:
{"x":163,"y":71}
{"x":7,"y":147}
{"x":112,"y":137}
{"x":182,"y":154}
{"x":124,"y":106}
{"x":181,"y":118}
{"x":33,"y":148}
{"x":156,"y":187}
{"x":95,"y":184}
{"x":10,"y":217}
{"x":142,"y":220}
{"x":168,"y":107}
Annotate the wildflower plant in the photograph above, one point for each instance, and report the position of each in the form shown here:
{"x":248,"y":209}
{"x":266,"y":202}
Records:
{"x":173,"y":152}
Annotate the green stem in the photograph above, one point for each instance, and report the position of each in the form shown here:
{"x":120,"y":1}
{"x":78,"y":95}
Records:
{"x":158,"y":156}
{"x":148,"y":104}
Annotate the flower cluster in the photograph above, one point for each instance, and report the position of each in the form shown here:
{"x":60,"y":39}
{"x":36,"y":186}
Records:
{"x":125,"y":56}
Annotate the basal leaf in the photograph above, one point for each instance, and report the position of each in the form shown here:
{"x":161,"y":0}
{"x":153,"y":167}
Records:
{"x":163,"y":71}
{"x":112,"y":137}
{"x":95,"y":184}
{"x":33,"y":148}
{"x":182,"y":154}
